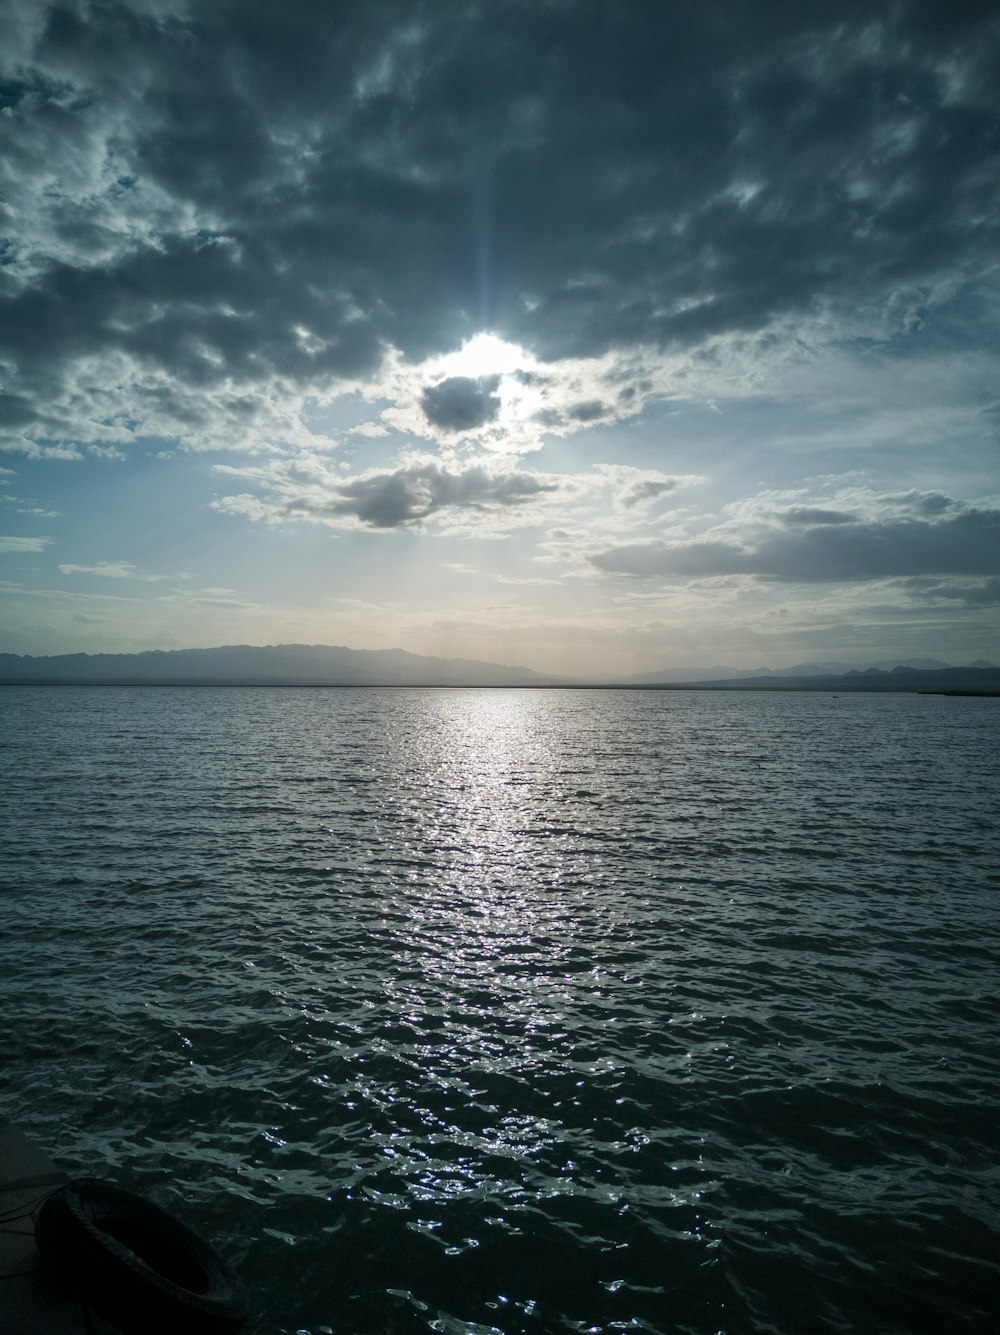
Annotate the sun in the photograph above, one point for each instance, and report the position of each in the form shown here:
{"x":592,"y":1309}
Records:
{"x":511,"y":377}
{"x":484,"y":355}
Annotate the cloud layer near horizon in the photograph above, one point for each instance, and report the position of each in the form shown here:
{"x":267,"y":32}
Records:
{"x":924,"y":536}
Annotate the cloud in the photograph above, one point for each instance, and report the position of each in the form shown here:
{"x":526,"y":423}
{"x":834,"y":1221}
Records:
{"x":23,"y":505}
{"x":959,"y":541}
{"x":980,"y":593}
{"x":587,"y":412}
{"x":23,"y":544}
{"x":694,"y":560}
{"x":412,"y":495}
{"x":15,"y":410}
{"x":636,"y":488}
{"x":110,"y":570}
{"x":493,"y":497}
{"x":511,"y":579}
{"x":217,"y":215}
{"x":421,"y":490}
{"x":649,"y":489}
{"x":462,"y":403}
{"x":812,"y":516}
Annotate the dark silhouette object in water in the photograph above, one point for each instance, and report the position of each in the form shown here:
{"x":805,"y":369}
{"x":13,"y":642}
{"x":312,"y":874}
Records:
{"x":135,"y":1264}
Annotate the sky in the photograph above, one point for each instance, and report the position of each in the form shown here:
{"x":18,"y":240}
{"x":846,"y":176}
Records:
{"x":592,"y":337}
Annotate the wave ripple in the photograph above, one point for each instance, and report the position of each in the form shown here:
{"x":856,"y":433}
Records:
{"x":503,"y":1011}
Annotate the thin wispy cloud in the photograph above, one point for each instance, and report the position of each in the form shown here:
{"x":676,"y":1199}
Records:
{"x":15,"y":544}
{"x":111,"y":570}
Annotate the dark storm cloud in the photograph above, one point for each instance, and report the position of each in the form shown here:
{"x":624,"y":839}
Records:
{"x":240,"y":191}
{"x":966,"y":544}
{"x":462,"y":403}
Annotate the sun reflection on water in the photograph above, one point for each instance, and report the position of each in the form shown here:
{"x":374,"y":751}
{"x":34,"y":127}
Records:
{"x":497,"y":1084}
{"x":485,"y":1103}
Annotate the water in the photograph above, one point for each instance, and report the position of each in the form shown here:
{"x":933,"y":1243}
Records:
{"x":503,"y":1011}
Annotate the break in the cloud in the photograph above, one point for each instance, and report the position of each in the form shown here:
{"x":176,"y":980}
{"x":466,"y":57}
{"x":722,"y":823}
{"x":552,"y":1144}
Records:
{"x":679,"y":292}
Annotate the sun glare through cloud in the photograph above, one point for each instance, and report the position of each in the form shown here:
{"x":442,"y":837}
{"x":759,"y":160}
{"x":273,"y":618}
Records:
{"x":484,"y":354}
{"x":488,"y":385}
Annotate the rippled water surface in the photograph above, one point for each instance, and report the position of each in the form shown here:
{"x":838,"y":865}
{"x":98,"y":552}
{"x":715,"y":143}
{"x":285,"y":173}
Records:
{"x":503,"y":1011}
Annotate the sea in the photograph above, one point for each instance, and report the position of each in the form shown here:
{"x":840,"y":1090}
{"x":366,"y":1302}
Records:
{"x":496,"y":1011}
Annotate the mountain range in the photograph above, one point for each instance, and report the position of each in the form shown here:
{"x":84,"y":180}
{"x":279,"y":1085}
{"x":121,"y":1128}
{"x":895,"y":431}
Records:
{"x":335,"y":665}
{"x":828,"y":669}
{"x":267,"y":665}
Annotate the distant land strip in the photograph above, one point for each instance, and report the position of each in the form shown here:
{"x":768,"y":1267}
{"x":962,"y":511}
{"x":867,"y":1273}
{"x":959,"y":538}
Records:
{"x":326,"y":665}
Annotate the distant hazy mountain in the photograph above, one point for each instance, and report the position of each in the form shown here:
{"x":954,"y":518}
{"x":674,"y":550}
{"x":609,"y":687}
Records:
{"x":980,"y":677}
{"x":692,"y":674}
{"x":270,"y":665}
{"x":326,"y":665}
{"x":719,"y":673}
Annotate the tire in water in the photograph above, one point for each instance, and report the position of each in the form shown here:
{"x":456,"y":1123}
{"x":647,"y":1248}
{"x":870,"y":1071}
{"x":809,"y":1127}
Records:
{"x":135,"y":1264}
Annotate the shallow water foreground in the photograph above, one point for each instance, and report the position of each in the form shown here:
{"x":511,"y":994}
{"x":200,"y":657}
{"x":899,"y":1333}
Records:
{"x":539,"y":1011}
